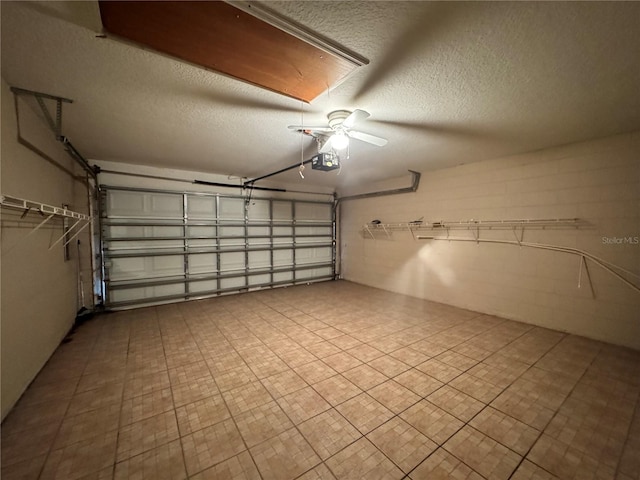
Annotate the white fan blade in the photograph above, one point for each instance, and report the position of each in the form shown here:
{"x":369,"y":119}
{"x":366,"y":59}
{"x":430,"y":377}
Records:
{"x":355,"y":117}
{"x":326,"y":146}
{"x":365,"y":137}
{"x":315,"y":129}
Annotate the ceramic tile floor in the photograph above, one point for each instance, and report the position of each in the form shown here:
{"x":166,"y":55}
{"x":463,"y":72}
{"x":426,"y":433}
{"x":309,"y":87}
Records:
{"x":328,"y":381}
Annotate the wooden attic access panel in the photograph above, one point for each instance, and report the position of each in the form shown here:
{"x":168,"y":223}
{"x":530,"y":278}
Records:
{"x":221,"y":37}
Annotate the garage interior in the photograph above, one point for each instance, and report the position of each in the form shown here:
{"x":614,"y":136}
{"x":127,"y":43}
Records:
{"x":198,"y":281}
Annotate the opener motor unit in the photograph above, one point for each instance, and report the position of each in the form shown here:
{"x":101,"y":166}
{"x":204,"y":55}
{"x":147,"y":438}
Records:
{"x":325,"y":161}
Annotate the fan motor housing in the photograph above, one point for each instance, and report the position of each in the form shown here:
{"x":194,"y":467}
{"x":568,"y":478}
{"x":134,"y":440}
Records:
{"x":325,"y":161}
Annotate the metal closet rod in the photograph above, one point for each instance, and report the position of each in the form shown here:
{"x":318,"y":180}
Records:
{"x":605,"y":265}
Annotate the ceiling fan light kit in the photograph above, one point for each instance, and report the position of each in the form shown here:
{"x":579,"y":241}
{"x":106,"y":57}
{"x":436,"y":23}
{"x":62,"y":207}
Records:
{"x":339,"y":140}
{"x":338,"y":134}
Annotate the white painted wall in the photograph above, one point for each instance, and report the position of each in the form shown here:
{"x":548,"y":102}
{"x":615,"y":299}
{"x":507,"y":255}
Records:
{"x":598,"y":181}
{"x":39,"y":290}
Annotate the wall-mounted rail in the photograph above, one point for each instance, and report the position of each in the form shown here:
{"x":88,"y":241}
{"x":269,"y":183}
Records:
{"x":516,"y":225}
{"x":48,"y":212}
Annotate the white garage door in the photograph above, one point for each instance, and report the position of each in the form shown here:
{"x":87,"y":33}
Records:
{"x":161,"y":246}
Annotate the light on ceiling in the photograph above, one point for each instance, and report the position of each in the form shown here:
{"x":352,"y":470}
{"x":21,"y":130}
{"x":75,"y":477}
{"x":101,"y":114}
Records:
{"x":339,"y":141}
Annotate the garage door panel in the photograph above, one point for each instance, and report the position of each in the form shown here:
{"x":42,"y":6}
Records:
{"x":203,"y":263}
{"x":258,"y":210}
{"x":232,"y":244}
{"x":313,"y":211}
{"x":201,"y":208}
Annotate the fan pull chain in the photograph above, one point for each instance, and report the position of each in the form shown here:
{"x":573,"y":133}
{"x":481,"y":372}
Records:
{"x":301,"y":169}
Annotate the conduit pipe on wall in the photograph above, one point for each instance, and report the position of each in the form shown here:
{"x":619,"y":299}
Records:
{"x":605,"y":265}
{"x":415,"y":183}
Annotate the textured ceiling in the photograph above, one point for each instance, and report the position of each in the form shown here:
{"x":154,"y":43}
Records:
{"x":447,"y":83}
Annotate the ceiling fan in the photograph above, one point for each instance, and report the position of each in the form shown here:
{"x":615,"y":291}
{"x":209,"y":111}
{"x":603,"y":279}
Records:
{"x":340,"y":130}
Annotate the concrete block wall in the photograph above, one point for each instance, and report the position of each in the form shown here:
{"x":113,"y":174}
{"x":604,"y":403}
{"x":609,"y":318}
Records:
{"x":597,"y":181}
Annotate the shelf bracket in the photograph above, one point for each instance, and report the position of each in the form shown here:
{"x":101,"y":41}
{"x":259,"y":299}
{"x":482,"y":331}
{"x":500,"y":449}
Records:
{"x":583,"y":262}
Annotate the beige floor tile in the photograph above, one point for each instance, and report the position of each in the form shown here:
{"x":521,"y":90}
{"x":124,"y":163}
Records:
{"x":441,"y":465}
{"x":262,"y":423}
{"x":265,"y":367}
{"x":49,"y":392}
{"x":315,"y":371}
{"x":23,"y":470}
{"x":365,"y":412}
{"x":246,"y":397}
{"x":362,"y":460}
{"x":510,"y":432}
{"x":418,"y":382}
{"x":283,"y":383}
{"x":284,"y":457}
{"x":81,"y":459}
{"x":529,"y":471}
{"x":211,"y":445}
{"x":234,"y":377}
{"x":566,"y":462}
{"x":323,"y":349}
{"x":195,"y":390}
{"x":341,"y":361}
{"x":394,"y":396}
{"x":162,"y":463}
{"x":365,"y":377}
{"x":94,"y":399}
{"x":402,"y":443}
{"x":328,"y":433}
{"x":92,"y":381}
{"x":468,"y":349}
{"x":183,"y":357}
{"x":145,"y":406}
{"x":457,"y":360}
{"x":432,"y":421}
{"x":523,"y":408}
{"x":386,"y":345}
{"x":582,"y":392}
{"x":598,"y":432}
{"x":475,"y":387}
{"x":189,"y":372}
{"x":303,"y":404}
{"x":328,"y":333}
{"x":439,"y":370}
{"x":202,"y":413}
{"x":321,"y":472}
{"x":76,"y":428}
{"x":458,"y":404}
{"x":297,"y":357}
{"x":364,"y":353}
{"x":240,"y":467}
{"x":345,"y":342}
{"x":336,"y":389}
{"x":428,"y":347}
{"x":146,"y":435}
{"x":483,"y":454}
{"x":409,"y":356}
{"x":494,"y":374}
{"x":222,"y":362}
{"x":28,"y":444}
{"x":389,"y":366}
{"x":135,"y":386}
